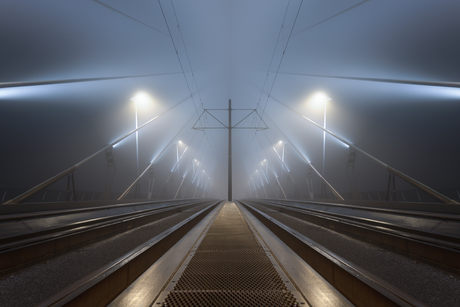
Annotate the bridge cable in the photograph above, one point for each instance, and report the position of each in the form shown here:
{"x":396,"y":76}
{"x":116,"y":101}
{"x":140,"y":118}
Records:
{"x":55,"y":178}
{"x":181,"y":65}
{"x":407,"y":178}
{"x":279,"y":64}
{"x":125,"y":193}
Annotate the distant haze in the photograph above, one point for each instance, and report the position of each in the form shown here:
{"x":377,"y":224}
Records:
{"x":261,"y":54}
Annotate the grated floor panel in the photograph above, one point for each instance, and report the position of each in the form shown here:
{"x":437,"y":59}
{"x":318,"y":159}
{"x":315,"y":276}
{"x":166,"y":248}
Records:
{"x":230,"y":268}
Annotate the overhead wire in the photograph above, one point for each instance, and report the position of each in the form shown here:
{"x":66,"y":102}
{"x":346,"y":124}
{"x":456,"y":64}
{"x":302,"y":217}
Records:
{"x":312,"y":26}
{"x":268,"y":71}
{"x":190,"y":65}
{"x":331,"y":17}
{"x":282,"y":57}
{"x":181,"y":65}
{"x":279,"y":65}
{"x":128,"y":16}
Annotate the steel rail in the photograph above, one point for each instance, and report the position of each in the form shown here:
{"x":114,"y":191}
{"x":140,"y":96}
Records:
{"x":105,"y":284}
{"x":357,"y":285}
{"x":430,"y":245}
{"x":452,"y":215}
{"x":32,"y":246}
{"x":440,"y":238}
{"x":73,"y":218}
{"x":57,"y":211}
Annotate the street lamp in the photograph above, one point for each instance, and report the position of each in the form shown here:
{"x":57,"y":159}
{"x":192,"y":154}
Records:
{"x":140,"y":100}
{"x":319,"y":100}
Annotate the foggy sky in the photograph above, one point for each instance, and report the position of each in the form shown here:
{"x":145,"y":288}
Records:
{"x":257,"y":53}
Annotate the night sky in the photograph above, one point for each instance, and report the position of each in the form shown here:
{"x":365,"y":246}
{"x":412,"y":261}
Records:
{"x":261,"y":54}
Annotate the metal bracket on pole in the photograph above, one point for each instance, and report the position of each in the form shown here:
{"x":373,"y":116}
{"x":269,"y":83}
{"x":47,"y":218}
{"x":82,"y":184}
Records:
{"x":352,"y":179}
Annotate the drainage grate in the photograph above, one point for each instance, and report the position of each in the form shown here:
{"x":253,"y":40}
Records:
{"x":230,"y":268}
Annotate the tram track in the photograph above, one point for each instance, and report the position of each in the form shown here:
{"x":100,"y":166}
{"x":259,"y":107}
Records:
{"x":132,"y":277}
{"x":30,"y":237}
{"x":123,"y":281}
{"x":432,"y":236}
{"x":359,"y":286}
{"x":100,"y":287}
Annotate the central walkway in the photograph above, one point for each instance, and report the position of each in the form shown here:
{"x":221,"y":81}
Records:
{"x":230,"y":268}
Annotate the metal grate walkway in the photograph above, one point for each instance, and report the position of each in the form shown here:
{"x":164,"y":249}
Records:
{"x":230,"y":268}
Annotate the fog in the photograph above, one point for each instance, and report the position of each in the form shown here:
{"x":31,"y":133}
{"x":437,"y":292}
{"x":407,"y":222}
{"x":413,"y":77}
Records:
{"x":188,"y":56}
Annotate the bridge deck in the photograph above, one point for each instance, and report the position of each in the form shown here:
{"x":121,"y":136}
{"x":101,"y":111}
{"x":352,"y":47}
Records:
{"x":230,"y":267}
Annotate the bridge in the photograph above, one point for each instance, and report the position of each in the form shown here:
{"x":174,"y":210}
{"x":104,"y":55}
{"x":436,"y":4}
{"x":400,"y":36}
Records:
{"x":229,"y":153}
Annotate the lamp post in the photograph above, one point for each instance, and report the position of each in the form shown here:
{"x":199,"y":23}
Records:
{"x":177,"y":159}
{"x":319,"y":100}
{"x":140,"y":98}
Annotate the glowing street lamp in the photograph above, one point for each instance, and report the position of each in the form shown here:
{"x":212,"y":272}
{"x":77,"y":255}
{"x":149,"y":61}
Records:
{"x":319,"y":100}
{"x":140,"y":100}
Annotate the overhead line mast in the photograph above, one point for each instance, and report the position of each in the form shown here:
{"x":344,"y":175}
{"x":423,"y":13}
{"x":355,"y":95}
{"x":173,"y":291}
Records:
{"x":230,"y":127}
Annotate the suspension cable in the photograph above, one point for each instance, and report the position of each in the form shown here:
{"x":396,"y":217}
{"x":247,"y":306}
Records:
{"x":405,"y":177}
